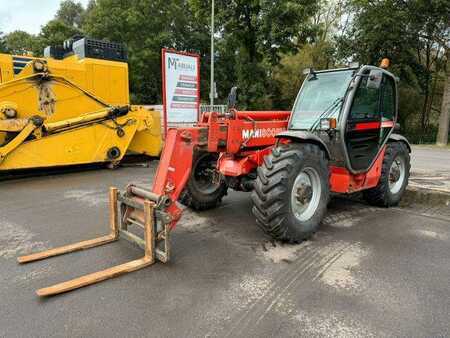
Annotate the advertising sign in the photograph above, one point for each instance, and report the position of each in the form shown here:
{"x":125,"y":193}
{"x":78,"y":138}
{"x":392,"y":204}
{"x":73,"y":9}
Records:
{"x":181,"y":86}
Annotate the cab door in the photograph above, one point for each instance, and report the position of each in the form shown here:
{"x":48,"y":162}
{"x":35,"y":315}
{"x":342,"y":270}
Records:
{"x":370,"y":120}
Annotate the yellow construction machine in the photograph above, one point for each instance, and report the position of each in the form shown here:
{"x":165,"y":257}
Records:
{"x":71,"y":107}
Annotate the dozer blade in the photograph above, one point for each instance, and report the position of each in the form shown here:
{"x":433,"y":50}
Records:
{"x":148,"y":259}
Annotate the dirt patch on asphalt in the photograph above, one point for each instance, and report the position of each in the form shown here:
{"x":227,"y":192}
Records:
{"x":340,"y":274}
{"x":430,"y":234}
{"x":331,"y":325}
{"x":280,"y":252}
{"x":192,"y":221}
{"x":253,"y":288}
{"x":93,"y":198}
{"x":15,"y":240}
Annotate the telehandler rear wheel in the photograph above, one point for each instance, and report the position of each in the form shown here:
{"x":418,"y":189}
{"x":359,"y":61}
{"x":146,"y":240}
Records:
{"x":291,"y":192}
{"x":394,"y":177}
{"x":202,"y":192}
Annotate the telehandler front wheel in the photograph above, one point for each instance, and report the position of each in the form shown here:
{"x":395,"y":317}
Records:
{"x":394,"y":177}
{"x":291,"y":192}
{"x":202,"y":191}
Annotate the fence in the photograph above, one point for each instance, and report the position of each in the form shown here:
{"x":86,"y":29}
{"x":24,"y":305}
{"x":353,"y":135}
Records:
{"x":203,"y":108}
{"x":219,"y":108}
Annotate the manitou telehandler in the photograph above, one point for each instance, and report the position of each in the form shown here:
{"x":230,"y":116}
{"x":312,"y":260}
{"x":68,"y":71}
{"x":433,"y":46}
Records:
{"x":339,"y":138}
{"x":71,"y":107}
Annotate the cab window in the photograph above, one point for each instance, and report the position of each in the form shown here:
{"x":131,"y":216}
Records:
{"x":388,"y":105}
{"x":388,"y":99}
{"x":365,"y":104}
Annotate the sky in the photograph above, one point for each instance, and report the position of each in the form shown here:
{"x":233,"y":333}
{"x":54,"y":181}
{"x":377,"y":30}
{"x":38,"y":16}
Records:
{"x":27,"y":15}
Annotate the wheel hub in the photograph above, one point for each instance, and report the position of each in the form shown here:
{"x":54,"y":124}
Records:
{"x":203,"y":175}
{"x":394,"y":175}
{"x":306,"y":193}
{"x":397,"y":174}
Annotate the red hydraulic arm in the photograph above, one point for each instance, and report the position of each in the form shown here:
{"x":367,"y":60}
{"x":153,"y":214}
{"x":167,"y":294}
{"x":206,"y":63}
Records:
{"x":242,"y":139}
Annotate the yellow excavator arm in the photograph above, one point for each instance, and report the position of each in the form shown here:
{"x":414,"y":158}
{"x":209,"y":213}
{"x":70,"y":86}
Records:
{"x":70,"y":110}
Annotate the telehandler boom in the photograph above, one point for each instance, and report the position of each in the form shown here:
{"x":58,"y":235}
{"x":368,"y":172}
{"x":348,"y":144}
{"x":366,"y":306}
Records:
{"x":338,"y":138}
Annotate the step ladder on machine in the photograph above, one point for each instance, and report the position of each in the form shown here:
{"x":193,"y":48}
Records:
{"x":136,"y":206}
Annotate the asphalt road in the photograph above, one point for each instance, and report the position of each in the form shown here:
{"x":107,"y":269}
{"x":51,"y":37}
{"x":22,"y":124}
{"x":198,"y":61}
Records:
{"x":430,"y":159}
{"x":367,"y":272}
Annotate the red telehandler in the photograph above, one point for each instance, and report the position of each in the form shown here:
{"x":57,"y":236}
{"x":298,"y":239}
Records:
{"x":339,"y":138}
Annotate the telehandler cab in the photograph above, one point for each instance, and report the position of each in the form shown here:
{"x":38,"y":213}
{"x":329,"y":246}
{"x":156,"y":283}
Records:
{"x":339,"y":138}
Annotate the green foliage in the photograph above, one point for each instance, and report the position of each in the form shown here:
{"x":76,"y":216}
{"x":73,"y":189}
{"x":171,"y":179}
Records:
{"x":255,"y":34}
{"x":288,"y":77}
{"x":135,"y":23}
{"x":262,"y":46}
{"x":71,"y":13}
{"x":19,"y":43}
{"x":413,"y":34}
{"x":3,"y":48}
{"x":54,"y":33}
{"x":251,"y":35}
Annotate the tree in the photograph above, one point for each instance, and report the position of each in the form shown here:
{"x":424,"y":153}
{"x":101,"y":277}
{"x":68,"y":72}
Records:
{"x":54,"y":33}
{"x":255,"y":34}
{"x":317,"y":50}
{"x":430,"y":21}
{"x":250,"y":37}
{"x":19,"y":43}
{"x":288,"y":75}
{"x":71,"y":13}
{"x":410,"y":33}
{"x":3,"y":48}
{"x":444,"y":118}
{"x":177,"y":24}
{"x":135,"y":23}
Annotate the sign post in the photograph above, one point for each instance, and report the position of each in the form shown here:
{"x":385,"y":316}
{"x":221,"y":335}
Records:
{"x":181,"y":87}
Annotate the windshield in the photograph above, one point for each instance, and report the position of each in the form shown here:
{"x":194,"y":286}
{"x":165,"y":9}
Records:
{"x":318,"y":94}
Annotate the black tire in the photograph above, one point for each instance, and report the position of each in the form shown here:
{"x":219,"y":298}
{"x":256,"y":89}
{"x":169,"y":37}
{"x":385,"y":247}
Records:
{"x":382,"y":195}
{"x":200,"y":192}
{"x":272,"y":201}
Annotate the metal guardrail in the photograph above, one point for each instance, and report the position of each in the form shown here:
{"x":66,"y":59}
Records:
{"x":215,"y":108}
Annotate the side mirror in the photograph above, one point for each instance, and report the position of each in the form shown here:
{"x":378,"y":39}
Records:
{"x":310,"y":73}
{"x":374,"y":79}
{"x":307,"y":71}
{"x":232,"y":98}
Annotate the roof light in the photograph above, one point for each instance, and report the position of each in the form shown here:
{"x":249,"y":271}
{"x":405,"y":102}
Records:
{"x":385,"y":63}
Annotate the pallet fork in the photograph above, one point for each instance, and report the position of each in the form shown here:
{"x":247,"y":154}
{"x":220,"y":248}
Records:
{"x":125,"y":209}
{"x":158,"y":210}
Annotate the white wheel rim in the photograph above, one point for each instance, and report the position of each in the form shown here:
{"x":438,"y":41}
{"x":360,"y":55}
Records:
{"x":305,"y":194}
{"x":397,"y":174}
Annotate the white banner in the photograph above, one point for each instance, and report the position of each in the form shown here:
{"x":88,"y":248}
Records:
{"x":181,"y":86}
